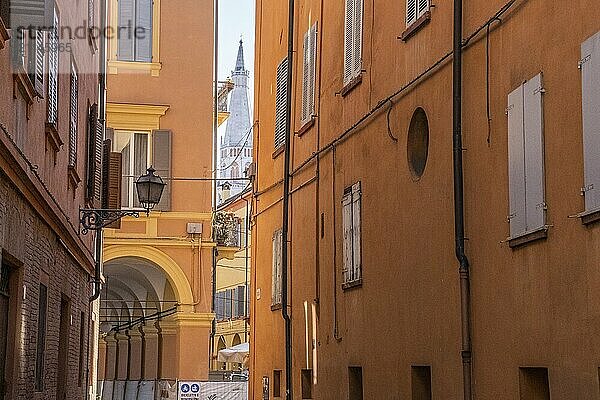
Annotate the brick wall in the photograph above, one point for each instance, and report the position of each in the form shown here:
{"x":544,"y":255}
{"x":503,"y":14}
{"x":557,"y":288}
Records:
{"x":26,"y":238}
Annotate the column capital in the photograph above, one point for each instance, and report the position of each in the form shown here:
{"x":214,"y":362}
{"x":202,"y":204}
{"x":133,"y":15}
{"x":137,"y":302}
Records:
{"x":121,"y":336}
{"x":110,"y":340}
{"x":134,"y":334}
{"x":148,"y":330}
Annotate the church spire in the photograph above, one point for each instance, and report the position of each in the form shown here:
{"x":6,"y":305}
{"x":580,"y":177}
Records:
{"x":239,"y":64}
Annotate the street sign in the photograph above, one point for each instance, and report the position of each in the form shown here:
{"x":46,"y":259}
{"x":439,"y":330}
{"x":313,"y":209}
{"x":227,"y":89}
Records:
{"x":189,"y":391}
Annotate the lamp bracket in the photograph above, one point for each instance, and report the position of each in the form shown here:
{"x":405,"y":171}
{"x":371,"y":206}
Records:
{"x":95,"y":219}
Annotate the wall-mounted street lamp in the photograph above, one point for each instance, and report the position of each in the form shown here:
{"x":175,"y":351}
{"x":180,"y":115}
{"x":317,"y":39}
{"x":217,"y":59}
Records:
{"x":149,"y":188}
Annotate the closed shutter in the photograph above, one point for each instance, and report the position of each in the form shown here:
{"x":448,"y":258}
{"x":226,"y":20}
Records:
{"x":143,"y":45}
{"x":111,"y":180}
{"x":228,"y":303}
{"x":534,"y":153}
{"x":140,"y":161}
{"x":348,"y":40}
{"x":357,"y":38}
{"x":92,"y":140}
{"x":234,"y":306}
{"x":161,"y":161}
{"x":276,"y":276}
{"x":526,"y":158}
{"x":280,"y":103}
{"x":356,"y":238}
{"x":34,"y":13}
{"x":36,"y":62}
{"x":126,"y":18}
{"x":309,"y":74}
{"x":411,"y":12}
{"x":516,"y":163}
{"x":347,"y":235}
{"x":53,"y":72}
{"x":241,"y":301}
{"x":590,"y":82}
{"x":423,"y":7}
{"x":73,"y":110}
{"x":98,"y":160}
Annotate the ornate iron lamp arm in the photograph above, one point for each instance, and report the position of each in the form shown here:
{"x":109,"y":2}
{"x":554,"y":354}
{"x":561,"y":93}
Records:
{"x":96,"y":219}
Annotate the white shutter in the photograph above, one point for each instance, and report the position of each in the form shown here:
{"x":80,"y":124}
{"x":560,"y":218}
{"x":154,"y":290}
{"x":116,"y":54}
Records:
{"x":423,"y":7}
{"x":74,"y":118}
{"x":356,"y":232}
{"x":534,"y":153}
{"x":126,"y":20}
{"x":39,"y":63}
{"x":347,"y":229}
{"x":590,"y":81}
{"x":276,"y":277}
{"x":348,"y":40}
{"x":309,"y":74}
{"x":143,"y":40}
{"x":305,"y":78}
{"x":357,"y":41}
{"x":280,"y":103}
{"x":411,"y":12}
{"x":516,"y":163}
{"x":53,"y":41}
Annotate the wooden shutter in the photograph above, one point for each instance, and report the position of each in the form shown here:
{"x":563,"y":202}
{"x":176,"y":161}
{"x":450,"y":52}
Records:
{"x":241,"y":301}
{"x":590,"y":82}
{"x":357,"y":38}
{"x":423,"y":7}
{"x":534,"y":153}
{"x":94,"y":153}
{"x":411,"y":12}
{"x":348,"y":40}
{"x":111,"y":180}
{"x":276,"y":276}
{"x":356,"y":232}
{"x":347,"y":235}
{"x":143,"y":45}
{"x":228,"y":296}
{"x":36,"y":62}
{"x":280,"y":103}
{"x":30,"y":13}
{"x":73,"y":110}
{"x":126,"y":19}
{"x":53,"y":52}
{"x":309,"y":74}
{"x":161,"y":161}
{"x":516,"y":163}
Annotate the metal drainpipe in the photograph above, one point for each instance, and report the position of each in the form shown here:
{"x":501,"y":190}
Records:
{"x":459,"y":228}
{"x":247,"y":227}
{"x":286,"y":203}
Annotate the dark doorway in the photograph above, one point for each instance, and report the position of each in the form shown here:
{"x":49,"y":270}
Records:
{"x":4,"y":312}
{"x":63,"y":349}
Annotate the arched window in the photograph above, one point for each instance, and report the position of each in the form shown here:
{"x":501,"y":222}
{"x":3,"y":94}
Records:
{"x":235,"y":171}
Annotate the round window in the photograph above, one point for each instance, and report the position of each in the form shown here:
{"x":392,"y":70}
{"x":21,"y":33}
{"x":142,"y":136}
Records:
{"x":418,"y":143}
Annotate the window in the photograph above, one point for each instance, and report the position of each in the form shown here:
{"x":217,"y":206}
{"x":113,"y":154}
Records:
{"x":235,"y":171}
{"x":309,"y":64}
{"x":415,"y":9}
{"x":418,"y":143}
{"x":353,"y":40}
{"x":41,"y":338}
{"x":590,"y":76}
{"x":421,"y":382}
{"x":306,"y":381}
{"x":53,"y":51}
{"x":533,"y":384}
{"x":277,"y":383}
{"x":82,"y":323}
{"x":73,"y":116}
{"x":20,"y":120}
{"x":355,"y":384}
{"x":228,"y":298}
{"x":276,"y":277}
{"x":352,"y":271}
{"x":136,"y":158}
{"x":5,"y":303}
{"x":95,"y":137}
{"x":135,"y":30}
{"x":281,"y":103}
{"x":36,"y":60}
{"x":241,"y":301}
{"x":526,"y":158}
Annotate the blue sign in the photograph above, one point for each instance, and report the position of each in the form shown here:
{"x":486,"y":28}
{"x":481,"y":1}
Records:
{"x":185,"y":388}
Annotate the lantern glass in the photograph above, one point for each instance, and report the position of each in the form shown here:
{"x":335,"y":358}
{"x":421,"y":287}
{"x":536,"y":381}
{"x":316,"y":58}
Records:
{"x":149,"y":189}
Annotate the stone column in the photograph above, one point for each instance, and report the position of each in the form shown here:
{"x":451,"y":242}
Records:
{"x":135,"y":354}
{"x":101,"y":369}
{"x":169,"y":354}
{"x":122,"y":356}
{"x":110,"y":371}
{"x":150,"y":350}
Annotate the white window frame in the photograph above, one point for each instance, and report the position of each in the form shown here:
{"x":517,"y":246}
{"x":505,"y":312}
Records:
{"x":352,"y":236}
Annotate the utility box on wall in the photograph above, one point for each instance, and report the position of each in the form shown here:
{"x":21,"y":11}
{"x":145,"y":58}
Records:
{"x":194,"y":227}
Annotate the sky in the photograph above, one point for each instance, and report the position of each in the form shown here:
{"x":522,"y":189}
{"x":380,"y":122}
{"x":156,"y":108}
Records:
{"x":236,"y":19}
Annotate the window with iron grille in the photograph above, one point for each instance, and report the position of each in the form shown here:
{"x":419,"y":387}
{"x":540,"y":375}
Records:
{"x":351,"y":220}
{"x":281,"y":103}
{"x":73,"y":116}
